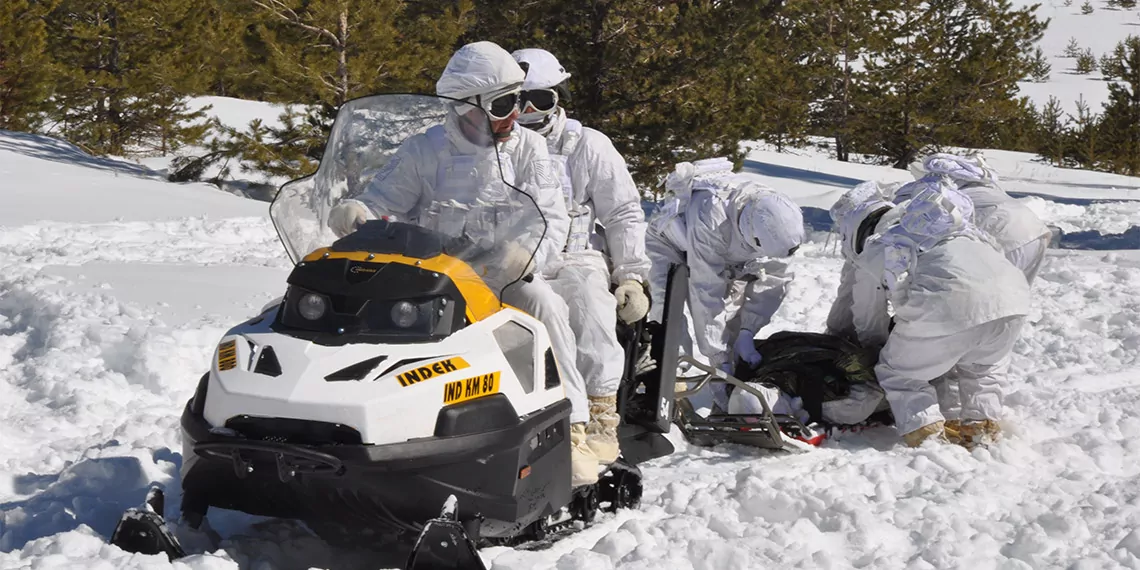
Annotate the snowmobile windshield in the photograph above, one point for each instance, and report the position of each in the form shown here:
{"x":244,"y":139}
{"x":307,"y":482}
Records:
{"x":402,"y":156}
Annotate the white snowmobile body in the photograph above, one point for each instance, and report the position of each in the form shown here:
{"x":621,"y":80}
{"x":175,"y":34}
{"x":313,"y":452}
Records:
{"x":319,"y":383}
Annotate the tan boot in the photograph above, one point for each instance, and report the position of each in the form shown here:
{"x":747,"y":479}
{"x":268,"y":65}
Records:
{"x":980,"y":432}
{"x":953,"y":431}
{"x":601,"y":432}
{"x":583,"y":466}
{"x":916,"y":437}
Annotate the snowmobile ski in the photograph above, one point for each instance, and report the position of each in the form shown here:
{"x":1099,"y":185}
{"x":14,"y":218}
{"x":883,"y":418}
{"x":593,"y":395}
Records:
{"x":143,"y":530}
{"x":444,"y":544}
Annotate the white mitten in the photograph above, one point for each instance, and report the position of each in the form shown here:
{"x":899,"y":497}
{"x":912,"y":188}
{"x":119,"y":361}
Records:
{"x":745,"y":347}
{"x":518,"y":261}
{"x":348,"y":215}
{"x":632,"y":304}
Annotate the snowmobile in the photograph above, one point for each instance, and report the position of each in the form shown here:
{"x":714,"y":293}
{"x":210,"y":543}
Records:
{"x":390,"y":388}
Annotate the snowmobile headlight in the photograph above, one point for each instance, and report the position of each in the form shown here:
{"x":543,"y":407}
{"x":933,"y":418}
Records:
{"x":312,"y":306}
{"x":405,"y":314}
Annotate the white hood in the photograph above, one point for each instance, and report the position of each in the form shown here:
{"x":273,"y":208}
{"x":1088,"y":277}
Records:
{"x":479,"y":68}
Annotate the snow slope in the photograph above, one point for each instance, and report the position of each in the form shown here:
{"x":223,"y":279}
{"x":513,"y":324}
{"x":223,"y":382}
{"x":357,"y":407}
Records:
{"x":1099,"y":31}
{"x":115,"y":287}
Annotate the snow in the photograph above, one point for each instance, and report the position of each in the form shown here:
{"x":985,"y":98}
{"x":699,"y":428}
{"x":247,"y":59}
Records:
{"x":1099,"y":31}
{"x":239,"y":113}
{"x":1096,"y":210}
{"x":115,"y":287}
{"x":47,"y":179}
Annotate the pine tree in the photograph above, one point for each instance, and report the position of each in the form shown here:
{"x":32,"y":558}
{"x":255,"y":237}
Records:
{"x":1112,"y":65}
{"x":329,"y":51}
{"x":1083,"y":138}
{"x":946,"y":75}
{"x":119,"y":74}
{"x":1039,"y":66}
{"x":1120,"y":125}
{"x":1051,"y":142}
{"x":26,"y":70}
{"x":1086,"y":62}
{"x":1073,"y":49}
{"x":835,"y":33}
{"x":1087,"y":8}
{"x":321,"y":53}
{"x":222,"y":52}
{"x":666,"y":81}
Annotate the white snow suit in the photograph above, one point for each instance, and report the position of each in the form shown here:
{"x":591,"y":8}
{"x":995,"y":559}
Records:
{"x":443,"y":164}
{"x":958,"y":306}
{"x":1022,"y":236}
{"x":597,"y":188}
{"x":734,"y":230}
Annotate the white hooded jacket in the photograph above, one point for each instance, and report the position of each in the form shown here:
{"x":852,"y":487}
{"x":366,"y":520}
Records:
{"x":718,"y":253}
{"x":429,"y":167}
{"x":953,"y":284}
{"x":1011,"y":223}
{"x":598,"y":188}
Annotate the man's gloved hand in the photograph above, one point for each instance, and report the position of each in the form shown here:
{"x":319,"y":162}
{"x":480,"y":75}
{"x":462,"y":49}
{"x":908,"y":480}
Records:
{"x":517,"y":261}
{"x":632,"y":304}
{"x":346,"y":216}
{"x":745,"y":348}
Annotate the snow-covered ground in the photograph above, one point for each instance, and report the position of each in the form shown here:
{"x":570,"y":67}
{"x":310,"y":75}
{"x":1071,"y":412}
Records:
{"x":1094,"y":210}
{"x":1099,"y":31}
{"x":115,"y":287}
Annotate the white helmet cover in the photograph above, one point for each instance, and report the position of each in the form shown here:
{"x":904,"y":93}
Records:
{"x":961,"y":169}
{"x":542,"y":69}
{"x":480,"y":68}
{"x":773,"y":222}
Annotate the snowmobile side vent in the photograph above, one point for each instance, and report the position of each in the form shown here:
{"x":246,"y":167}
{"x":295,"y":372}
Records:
{"x":357,"y":371}
{"x":517,"y":344}
{"x":267,"y":363}
{"x":553,"y":378}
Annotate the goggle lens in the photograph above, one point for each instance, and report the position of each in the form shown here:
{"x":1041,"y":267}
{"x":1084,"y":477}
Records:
{"x":540,"y":99}
{"x":503,"y":105}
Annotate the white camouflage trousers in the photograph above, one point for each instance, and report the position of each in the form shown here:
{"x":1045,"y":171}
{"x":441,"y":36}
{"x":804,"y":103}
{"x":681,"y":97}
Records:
{"x":957,"y":376}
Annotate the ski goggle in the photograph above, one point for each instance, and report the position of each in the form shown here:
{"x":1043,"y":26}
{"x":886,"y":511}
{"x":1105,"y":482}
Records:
{"x":543,"y":100}
{"x":502,"y":106}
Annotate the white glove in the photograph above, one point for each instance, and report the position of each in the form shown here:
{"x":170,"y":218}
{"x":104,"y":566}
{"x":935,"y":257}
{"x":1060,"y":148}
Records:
{"x":518,"y":261}
{"x":346,"y":216}
{"x":745,"y":348}
{"x":632,"y":304}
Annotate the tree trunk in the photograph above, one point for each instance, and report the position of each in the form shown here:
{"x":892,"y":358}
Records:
{"x":342,"y":55}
